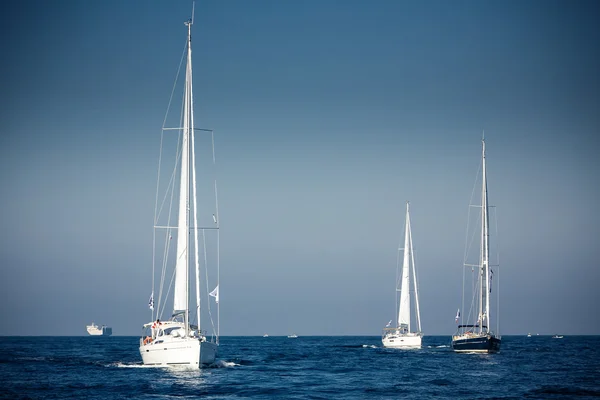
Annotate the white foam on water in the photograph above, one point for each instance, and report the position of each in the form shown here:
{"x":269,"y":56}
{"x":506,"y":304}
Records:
{"x":372,"y":346}
{"x":225,"y":364}
{"x":121,"y":365}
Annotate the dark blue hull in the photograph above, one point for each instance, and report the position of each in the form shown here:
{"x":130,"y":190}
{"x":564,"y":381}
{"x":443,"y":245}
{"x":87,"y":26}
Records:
{"x":481,"y":344}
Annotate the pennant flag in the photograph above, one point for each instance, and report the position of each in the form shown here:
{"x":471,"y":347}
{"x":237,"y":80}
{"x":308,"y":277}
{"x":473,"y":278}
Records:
{"x":151,"y":301}
{"x":215,"y":294}
{"x":457,"y":315}
{"x":388,"y":324}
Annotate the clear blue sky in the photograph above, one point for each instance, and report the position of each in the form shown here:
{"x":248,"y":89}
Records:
{"x":329,"y":116}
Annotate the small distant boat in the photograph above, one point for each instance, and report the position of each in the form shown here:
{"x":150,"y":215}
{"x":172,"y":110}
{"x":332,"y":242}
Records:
{"x":95,"y":330}
{"x":557,"y":337}
{"x":292,"y":336}
{"x":477,"y":336}
{"x":265,"y":335}
{"x":401,"y":336}
{"x":529,"y":335}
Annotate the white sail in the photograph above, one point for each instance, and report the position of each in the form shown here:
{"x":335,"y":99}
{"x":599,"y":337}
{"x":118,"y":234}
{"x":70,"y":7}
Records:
{"x":181,"y":268}
{"x":404,"y":309}
{"x":401,"y":336}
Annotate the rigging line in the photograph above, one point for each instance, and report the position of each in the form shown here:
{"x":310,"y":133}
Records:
{"x":171,"y":190}
{"x":469,"y":243}
{"x":178,"y":150}
{"x":183,"y":54}
{"x":218,"y":223}
{"x":168,"y":290}
{"x":412,"y":255}
{"x":397,"y":290}
{"x":206,"y":279}
{"x":462,"y":302}
{"x":497,"y":273}
{"x":167,"y":245}
{"x":171,"y":184}
{"x":162,"y":130}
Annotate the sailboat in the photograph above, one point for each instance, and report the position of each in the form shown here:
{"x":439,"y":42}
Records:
{"x":401,"y":335}
{"x":478,"y":336}
{"x":177,"y":341}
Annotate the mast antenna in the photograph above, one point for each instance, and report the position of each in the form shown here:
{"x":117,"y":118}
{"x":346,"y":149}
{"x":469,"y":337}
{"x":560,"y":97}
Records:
{"x":193,"y":6}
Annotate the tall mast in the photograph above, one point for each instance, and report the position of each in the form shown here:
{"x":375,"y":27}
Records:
{"x":188,"y":127}
{"x":486,"y":242}
{"x":193,"y":151}
{"x":190,"y":90}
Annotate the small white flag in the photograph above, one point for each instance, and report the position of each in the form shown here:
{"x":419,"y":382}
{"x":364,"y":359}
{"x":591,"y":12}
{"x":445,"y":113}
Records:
{"x":151,"y":301}
{"x":457,"y":315}
{"x":215,"y":294}
{"x":214,"y":218}
{"x":389,"y":323}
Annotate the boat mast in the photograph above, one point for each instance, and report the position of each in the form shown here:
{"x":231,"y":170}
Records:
{"x":190,"y":91}
{"x":486,"y":243}
{"x":188,"y":127}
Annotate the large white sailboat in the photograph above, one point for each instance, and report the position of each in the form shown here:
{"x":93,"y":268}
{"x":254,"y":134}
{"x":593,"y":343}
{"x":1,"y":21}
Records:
{"x":178,"y":340}
{"x":477,"y":335}
{"x":401,"y":336}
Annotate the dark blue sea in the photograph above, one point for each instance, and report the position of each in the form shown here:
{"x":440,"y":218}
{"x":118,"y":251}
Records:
{"x":343,"y":367}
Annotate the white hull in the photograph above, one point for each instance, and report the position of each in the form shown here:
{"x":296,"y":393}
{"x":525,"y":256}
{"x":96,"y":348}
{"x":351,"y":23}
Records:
{"x":402,"y":341}
{"x":180,"y":351}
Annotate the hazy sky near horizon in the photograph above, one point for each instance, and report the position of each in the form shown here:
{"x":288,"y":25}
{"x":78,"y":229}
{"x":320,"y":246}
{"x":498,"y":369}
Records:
{"x":329,"y":115}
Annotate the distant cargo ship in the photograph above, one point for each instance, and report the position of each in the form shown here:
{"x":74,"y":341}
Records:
{"x":96,"y":330}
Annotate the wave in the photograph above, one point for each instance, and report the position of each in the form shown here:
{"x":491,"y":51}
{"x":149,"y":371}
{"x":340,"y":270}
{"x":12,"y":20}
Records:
{"x":371,"y":346}
{"x":225,"y":364}
{"x":123,"y":365}
{"x":564,"y":391}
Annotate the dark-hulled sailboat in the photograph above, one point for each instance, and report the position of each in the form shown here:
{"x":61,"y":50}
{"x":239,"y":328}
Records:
{"x":478,"y":336}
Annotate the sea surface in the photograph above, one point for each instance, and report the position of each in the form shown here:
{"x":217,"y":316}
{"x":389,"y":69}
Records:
{"x":326,"y":367}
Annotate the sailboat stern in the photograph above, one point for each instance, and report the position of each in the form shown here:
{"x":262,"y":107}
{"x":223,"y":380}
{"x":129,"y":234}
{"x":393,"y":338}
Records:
{"x":208,"y":352}
{"x":398,"y":340}
{"x":182,"y":352}
{"x":168,"y":345}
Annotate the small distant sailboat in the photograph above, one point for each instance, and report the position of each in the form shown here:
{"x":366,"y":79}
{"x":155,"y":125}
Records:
{"x":292,"y":336}
{"x":478,"y":337}
{"x":265,"y":335}
{"x":529,"y":335}
{"x":557,"y":337}
{"x":401,"y":335}
{"x":178,"y":341}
